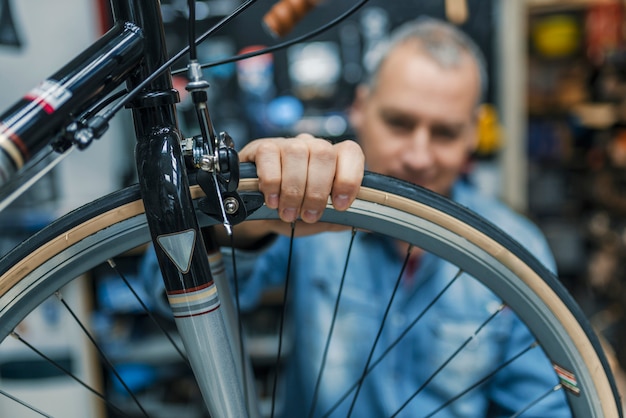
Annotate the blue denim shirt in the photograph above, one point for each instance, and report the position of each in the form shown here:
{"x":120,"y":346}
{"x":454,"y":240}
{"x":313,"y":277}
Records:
{"x":374,"y":267}
{"x":375,"y":264}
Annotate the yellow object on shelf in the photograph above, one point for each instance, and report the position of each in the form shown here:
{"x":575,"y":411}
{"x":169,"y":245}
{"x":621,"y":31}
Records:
{"x":489,"y":131}
{"x":556,"y":36}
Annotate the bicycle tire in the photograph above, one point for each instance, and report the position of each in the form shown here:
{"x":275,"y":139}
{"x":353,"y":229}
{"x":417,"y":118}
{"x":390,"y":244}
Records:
{"x":114,"y":224}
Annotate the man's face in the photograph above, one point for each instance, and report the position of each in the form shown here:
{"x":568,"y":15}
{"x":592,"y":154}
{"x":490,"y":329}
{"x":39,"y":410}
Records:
{"x":418,"y":124}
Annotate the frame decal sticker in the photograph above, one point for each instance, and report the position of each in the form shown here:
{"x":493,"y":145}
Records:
{"x":49,"y":95}
{"x":194,"y":302}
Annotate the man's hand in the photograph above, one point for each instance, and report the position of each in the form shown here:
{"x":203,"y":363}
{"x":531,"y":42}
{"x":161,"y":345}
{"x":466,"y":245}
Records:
{"x":297,"y":175}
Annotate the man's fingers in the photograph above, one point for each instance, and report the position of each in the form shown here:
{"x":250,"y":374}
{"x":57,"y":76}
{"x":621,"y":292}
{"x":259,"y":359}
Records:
{"x":297,"y":175}
{"x":266,"y":155}
{"x":295,"y":160}
{"x":348,"y":174}
{"x":320,"y":177}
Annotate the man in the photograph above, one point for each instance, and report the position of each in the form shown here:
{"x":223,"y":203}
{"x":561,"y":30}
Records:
{"x":415,"y":119}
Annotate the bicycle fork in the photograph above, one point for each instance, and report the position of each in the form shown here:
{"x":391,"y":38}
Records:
{"x":174,"y":229}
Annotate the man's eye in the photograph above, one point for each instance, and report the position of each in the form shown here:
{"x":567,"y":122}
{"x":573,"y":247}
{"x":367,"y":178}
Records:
{"x":446,"y":133}
{"x":400,"y":124}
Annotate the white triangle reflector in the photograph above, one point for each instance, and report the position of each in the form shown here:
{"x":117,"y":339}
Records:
{"x":179,"y":248}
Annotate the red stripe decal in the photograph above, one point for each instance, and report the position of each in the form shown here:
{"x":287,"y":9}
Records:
{"x":49,"y":95}
{"x":45,"y":106}
{"x":190,"y":290}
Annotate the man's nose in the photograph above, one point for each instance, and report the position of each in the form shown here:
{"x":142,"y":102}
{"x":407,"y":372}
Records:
{"x":419,"y":153}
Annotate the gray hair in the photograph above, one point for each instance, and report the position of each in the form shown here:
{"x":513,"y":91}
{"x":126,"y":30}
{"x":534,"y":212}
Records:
{"x":440,"y":41}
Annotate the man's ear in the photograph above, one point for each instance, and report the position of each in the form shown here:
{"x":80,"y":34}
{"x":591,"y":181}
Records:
{"x":357,"y":110}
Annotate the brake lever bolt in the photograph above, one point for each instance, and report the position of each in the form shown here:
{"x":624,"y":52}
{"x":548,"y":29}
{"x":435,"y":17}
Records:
{"x":231,"y":205}
{"x":209,"y":163}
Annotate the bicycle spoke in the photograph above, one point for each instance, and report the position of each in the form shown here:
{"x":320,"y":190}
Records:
{"x":415,"y":321}
{"x":483,"y":380}
{"x":396,"y":341}
{"x":282,"y":319}
{"x":332,"y":326}
{"x":449,"y":359}
{"x":539,"y":399}
{"x":380,"y":329}
{"x":25,"y":404}
{"x":103,"y":356}
{"x":145,"y":308}
{"x":64,"y":371}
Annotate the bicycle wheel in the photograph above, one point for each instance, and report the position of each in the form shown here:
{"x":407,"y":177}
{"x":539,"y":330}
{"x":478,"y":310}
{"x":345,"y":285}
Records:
{"x":113,"y":225}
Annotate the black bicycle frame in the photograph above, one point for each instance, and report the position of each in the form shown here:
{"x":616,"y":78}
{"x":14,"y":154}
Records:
{"x":131,"y":51}
{"x":160,"y":164}
{"x":28,"y":126}
{"x":176,"y":236}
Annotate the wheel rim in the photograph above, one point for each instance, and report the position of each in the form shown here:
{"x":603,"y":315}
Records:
{"x":132,"y":232}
